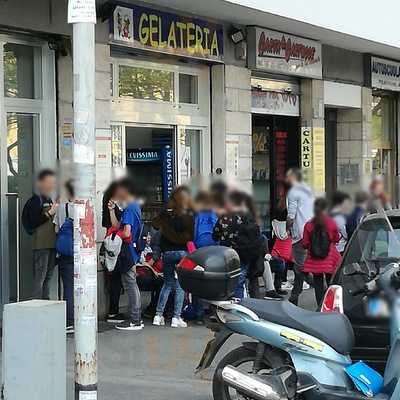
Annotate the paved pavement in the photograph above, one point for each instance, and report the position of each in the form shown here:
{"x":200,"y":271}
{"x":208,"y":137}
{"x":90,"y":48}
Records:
{"x":156,"y":363}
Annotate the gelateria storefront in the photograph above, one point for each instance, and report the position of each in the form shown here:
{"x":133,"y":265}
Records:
{"x":160,"y":108}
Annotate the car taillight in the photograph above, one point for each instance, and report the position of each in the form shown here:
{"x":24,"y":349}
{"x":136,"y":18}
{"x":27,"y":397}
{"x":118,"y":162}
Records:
{"x":187,"y":263}
{"x":333,"y":300}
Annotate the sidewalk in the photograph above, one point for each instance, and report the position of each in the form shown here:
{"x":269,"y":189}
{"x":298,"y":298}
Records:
{"x":156,"y":363}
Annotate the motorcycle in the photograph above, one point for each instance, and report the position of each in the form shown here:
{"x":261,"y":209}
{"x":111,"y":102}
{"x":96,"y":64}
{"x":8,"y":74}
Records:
{"x":295,"y":353}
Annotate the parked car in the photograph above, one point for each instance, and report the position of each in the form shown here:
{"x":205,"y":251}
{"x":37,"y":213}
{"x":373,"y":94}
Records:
{"x":374,"y":244}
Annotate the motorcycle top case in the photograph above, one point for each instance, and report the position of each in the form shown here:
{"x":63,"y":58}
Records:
{"x":210,"y":273}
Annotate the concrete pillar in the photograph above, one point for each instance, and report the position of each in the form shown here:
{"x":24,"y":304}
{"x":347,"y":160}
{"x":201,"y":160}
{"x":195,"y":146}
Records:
{"x":218,"y":118}
{"x":34,"y":350}
{"x":312,"y":119}
{"x":354,"y":140}
{"x":238,"y":125}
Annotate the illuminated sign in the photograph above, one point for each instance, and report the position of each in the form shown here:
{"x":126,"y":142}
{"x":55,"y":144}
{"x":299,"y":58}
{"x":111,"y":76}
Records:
{"x":149,"y":29}
{"x":283,"y":53}
{"x":142,"y":155}
{"x":168,"y":171}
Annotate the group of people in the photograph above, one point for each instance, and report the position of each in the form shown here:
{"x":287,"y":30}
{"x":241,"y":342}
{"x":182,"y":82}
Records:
{"x":311,"y":234}
{"x":308,"y":235}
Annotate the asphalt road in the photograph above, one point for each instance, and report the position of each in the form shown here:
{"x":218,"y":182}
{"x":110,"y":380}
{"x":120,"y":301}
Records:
{"x":156,"y":363}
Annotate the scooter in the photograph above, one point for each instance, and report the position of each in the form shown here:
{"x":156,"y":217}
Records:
{"x":296,"y":354}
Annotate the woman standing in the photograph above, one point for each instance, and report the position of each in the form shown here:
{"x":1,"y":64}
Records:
{"x":176,"y":224}
{"x":320,"y":238}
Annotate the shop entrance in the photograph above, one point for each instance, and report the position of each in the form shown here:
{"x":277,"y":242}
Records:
{"x":276,"y":145}
{"x":150,"y":162}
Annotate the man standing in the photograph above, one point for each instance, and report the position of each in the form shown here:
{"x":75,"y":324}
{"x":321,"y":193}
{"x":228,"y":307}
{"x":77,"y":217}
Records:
{"x":300,"y":203}
{"x":37,"y":219}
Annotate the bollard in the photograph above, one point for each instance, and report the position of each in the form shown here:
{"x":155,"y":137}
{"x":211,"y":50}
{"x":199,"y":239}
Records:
{"x":34,"y":351}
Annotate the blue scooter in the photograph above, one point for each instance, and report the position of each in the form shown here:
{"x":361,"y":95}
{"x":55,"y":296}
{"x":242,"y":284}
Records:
{"x":296,"y":354}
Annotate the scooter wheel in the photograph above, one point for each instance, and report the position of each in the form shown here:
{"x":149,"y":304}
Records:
{"x":237,"y":358}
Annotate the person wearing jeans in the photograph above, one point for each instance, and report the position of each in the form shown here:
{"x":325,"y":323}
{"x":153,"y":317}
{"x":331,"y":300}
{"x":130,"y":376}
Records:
{"x":130,"y":228}
{"x":176,"y":224}
{"x":37,"y":219}
{"x":132,"y":290}
{"x":66,"y":267}
{"x":171,"y":283}
{"x":300,"y":204}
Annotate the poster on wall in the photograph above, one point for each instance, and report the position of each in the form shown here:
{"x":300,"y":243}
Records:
{"x":276,"y":103}
{"x":385,"y":74}
{"x":319,"y":160}
{"x":283,"y":53}
{"x":232,"y":158}
{"x":148,"y":29}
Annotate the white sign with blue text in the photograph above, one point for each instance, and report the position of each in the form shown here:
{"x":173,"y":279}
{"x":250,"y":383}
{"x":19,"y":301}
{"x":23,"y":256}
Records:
{"x":385,"y":74}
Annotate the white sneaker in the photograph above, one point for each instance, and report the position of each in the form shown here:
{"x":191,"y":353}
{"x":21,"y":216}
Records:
{"x":178,"y":323}
{"x":287,"y":286}
{"x":159,"y":320}
{"x":306,"y":286}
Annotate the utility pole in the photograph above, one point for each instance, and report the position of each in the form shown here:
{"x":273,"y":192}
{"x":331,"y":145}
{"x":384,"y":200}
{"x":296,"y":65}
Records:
{"x":82,"y":14}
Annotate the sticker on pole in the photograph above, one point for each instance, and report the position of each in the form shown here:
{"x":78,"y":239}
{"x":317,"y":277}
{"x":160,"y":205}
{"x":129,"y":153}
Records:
{"x":81,"y":11}
{"x":85,"y":395}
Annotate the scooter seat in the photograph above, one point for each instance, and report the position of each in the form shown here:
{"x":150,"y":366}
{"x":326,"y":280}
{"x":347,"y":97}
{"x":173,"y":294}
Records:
{"x":333,"y":329}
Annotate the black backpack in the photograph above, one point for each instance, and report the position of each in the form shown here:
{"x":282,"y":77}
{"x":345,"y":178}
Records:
{"x":320,"y":243}
{"x":249,"y":242}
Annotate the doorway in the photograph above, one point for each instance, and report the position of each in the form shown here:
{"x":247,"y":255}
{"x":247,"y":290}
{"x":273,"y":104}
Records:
{"x":150,"y":162}
{"x":276,"y":145}
{"x":27,"y":117}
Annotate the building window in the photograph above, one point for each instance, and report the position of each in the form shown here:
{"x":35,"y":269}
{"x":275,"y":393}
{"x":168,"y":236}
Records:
{"x":22,"y":71}
{"x":188,"y":89}
{"x":383,"y":137}
{"x":146,"y":84}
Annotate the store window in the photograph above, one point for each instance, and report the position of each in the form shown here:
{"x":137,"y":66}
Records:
{"x":189,"y":154}
{"x":22,"y":71}
{"x":188,"y":89}
{"x":146,"y":84}
{"x":383,"y":137}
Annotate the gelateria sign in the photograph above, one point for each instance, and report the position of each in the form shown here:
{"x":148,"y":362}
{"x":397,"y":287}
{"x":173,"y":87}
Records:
{"x":149,"y":29}
{"x":283,"y":53}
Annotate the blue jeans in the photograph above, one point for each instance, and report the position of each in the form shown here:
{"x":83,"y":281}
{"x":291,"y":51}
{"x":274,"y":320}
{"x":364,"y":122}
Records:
{"x":240,"y":287}
{"x":170,"y":260}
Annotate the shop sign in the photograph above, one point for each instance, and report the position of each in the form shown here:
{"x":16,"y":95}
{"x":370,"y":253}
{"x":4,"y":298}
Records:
{"x":284,"y":54}
{"x":276,"y":103}
{"x":306,"y":148}
{"x":168,"y":172}
{"x":385,"y":74}
{"x":142,"y":155}
{"x":149,"y":29}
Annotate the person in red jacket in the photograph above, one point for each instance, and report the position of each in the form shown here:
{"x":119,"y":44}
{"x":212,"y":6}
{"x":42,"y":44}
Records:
{"x":319,"y":239}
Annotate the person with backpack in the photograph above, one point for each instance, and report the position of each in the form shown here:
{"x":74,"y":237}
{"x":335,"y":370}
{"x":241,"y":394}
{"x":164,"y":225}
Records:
{"x":341,"y":208}
{"x":204,"y":221}
{"x":320,"y":238}
{"x":238,"y":230}
{"x":176,"y":224}
{"x":37,"y":220}
{"x":130,"y":229}
{"x":300,"y":200}
{"x":64,"y":225}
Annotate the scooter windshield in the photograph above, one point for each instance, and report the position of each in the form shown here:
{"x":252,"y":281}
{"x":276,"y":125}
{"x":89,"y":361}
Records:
{"x":376,"y":243}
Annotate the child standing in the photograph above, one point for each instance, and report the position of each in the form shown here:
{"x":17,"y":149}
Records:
{"x":320,"y":239}
{"x":131,"y":227}
{"x":176,"y":226}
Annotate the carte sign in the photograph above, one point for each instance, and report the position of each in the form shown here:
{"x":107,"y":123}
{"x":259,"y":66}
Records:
{"x":285,"y":54}
{"x":149,"y":29}
{"x":385,"y":74}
